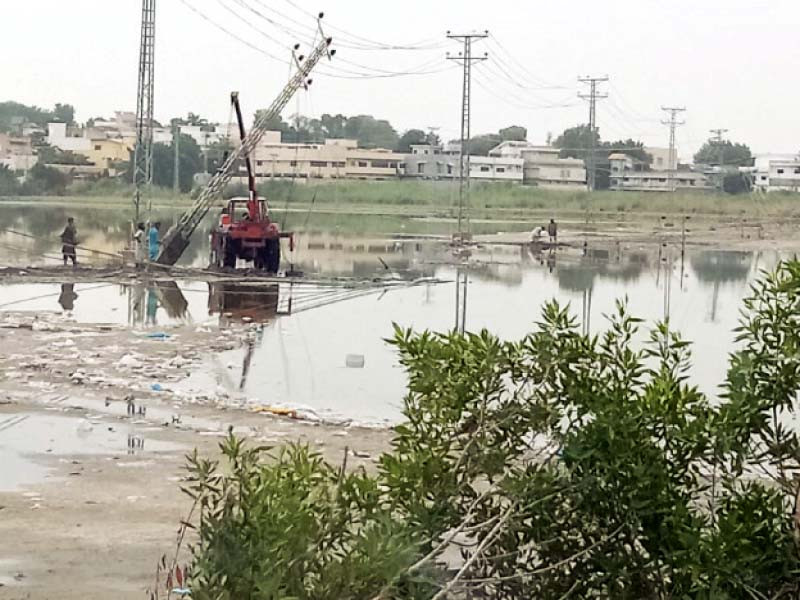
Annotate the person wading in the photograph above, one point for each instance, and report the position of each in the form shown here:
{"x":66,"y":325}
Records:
{"x":552,"y":231}
{"x":153,"y":241}
{"x":69,"y":239}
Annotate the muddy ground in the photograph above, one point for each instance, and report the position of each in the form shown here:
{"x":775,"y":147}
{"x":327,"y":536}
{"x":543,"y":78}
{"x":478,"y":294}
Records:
{"x":93,"y":498}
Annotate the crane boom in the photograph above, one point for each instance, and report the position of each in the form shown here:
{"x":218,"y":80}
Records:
{"x":176,"y":239}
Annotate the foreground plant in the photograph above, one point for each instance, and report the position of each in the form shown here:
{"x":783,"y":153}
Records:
{"x":558,"y":466}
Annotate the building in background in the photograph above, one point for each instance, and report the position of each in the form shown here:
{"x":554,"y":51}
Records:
{"x":434,"y":162}
{"x":628,"y":175}
{"x":662,"y":159}
{"x":331,"y":159}
{"x":16,"y":153}
{"x":542,"y":165}
{"x":775,"y":173}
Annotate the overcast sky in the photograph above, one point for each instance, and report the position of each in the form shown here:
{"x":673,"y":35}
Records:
{"x":732,"y":63}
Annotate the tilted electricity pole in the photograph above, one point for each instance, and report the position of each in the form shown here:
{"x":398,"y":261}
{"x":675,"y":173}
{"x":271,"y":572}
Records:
{"x":593,"y":96}
{"x":143,"y":150}
{"x":465,"y":57}
{"x":673,"y":158}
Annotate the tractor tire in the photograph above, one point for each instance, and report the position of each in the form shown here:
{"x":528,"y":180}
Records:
{"x":228,"y":255}
{"x":272,"y":255}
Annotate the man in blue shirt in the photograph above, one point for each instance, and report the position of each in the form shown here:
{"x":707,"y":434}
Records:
{"x":153,"y":242}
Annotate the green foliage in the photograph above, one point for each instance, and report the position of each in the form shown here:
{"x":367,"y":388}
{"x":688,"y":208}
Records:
{"x":736,"y":183}
{"x":514,"y":133}
{"x":560,"y":465}
{"x":415,"y":137}
{"x":712,"y":151}
{"x":191,"y":162}
{"x":9,"y":185}
{"x":366,"y":129}
{"x":14,"y":114}
{"x":296,"y":528}
{"x":43,"y":180}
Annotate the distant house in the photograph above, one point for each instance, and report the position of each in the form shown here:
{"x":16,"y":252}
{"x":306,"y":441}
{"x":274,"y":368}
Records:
{"x":624,"y":176}
{"x":775,"y":173}
{"x":542,"y":165}
{"x":434,"y":162}
{"x":16,"y":153}
{"x":663,"y":160}
{"x":331,"y":159}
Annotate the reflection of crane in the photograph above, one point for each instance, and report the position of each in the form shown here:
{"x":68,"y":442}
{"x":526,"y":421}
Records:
{"x":177,"y":238}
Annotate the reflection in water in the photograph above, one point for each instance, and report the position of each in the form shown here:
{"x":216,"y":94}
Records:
{"x":719,"y":267}
{"x":144,"y":300}
{"x":256,"y":302}
{"x":67,"y":297}
{"x":462,"y":281}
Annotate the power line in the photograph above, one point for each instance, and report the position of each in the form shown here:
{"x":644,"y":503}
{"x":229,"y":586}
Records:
{"x":592,"y":96}
{"x":367,"y":44}
{"x":423,"y":69}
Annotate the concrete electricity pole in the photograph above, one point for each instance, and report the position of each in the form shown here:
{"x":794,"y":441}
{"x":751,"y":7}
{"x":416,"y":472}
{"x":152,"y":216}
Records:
{"x":465,"y":57}
{"x":143,"y":150}
{"x":673,"y":124}
{"x":718,"y":133}
{"x":593,"y":96}
{"x":176,"y":171}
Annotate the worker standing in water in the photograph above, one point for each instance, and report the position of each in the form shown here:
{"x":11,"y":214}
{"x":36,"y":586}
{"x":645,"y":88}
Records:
{"x":69,"y":239}
{"x":552,"y":231}
{"x":153,"y":241}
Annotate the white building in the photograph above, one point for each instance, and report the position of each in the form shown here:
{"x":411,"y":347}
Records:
{"x":624,"y":177}
{"x":543,"y":166}
{"x":66,"y":138}
{"x":431,"y":162}
{"x":496,"y":168}
{"x":775,"y":173}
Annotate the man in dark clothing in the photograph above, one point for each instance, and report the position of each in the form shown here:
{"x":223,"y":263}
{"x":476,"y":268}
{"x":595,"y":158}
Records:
{"x":552,"y":231}
{"x":69,"y":239}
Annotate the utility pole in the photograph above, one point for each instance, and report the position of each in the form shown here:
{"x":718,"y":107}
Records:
{"x":593,"y":96}
{"x":176,"y":170}
{"x":465,"y":57}
{"x":718,"y":133}
{"x":143,"y":150}
{"x":673,"y":124}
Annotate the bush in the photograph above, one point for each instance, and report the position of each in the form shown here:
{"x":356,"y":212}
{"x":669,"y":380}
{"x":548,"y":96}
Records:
{"x":560,"y":465}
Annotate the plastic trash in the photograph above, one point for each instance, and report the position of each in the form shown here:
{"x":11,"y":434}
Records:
{"x":354,"y":361}
{"x":276,"y":410}
{"x":156,"y":387}
{"x":159,"y":335}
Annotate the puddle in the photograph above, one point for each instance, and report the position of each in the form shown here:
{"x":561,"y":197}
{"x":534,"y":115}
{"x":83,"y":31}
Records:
{"x":24,"y":437}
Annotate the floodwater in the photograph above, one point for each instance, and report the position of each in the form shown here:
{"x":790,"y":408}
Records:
{"x":300,"y":355}
{"x":25,"y":437}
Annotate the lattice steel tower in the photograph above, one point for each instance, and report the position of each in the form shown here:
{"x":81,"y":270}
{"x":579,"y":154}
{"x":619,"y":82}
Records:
{"x":143,"y":151}
{"x":466,"y":58}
